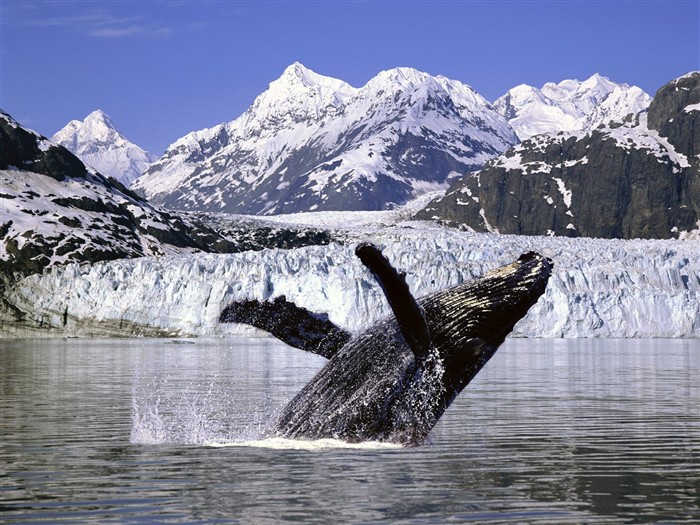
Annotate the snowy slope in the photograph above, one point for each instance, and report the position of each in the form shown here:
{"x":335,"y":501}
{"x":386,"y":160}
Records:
{"x":599,"y":288}
{"x":569,"y":105}
{"x":98,"y":144}
{"x":316,"y":143}
{"x":635,"y":178}
{"x":55,"y":210}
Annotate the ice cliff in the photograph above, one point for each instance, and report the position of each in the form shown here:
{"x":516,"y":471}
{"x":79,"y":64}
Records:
{"x":599,"y":288}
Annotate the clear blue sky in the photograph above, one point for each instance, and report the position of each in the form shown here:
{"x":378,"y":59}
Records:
{"x":161,"y":69}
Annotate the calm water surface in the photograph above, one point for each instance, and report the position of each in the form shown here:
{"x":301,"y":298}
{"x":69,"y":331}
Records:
{"x":139,"y":431}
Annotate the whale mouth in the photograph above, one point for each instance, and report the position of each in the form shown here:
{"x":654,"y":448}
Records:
{"x":488,"y":307}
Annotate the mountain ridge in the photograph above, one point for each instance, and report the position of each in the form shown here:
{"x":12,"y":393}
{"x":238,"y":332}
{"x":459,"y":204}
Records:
{"x":311,"y":142}
{"x":635,"y":178}
{"x":570,"y":105}
{"x":98,"y":143}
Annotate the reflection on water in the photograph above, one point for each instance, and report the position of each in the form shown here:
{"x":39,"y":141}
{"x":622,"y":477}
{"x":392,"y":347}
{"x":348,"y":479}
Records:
{"x":551,"y":431}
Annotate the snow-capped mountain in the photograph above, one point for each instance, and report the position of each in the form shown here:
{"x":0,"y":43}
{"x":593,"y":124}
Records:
{"x":98,"y":144}
{"x":312,"y":142}
{"x":55,"y":211}
{"x":570,"y":105}
{"x":636,"y":178}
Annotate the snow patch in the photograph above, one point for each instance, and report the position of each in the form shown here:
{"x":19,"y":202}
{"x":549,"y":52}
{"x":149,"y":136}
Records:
{"x":566,"y":194}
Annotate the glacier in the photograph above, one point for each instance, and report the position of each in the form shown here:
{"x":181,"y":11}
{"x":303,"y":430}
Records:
{"x":599,"y":288}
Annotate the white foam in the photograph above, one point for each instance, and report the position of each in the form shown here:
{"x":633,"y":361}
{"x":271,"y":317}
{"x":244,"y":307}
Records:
{"x":278,"y":443}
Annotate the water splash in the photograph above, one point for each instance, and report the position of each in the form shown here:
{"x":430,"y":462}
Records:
{"x":278,"y":443}
{"x":209,"y":392}
{"x":195,"y":412}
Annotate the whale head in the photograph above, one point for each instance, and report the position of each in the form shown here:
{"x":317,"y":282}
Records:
{"x":469,"y":322}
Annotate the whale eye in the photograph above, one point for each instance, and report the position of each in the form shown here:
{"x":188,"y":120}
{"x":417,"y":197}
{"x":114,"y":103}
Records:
{"x":474,"y":347}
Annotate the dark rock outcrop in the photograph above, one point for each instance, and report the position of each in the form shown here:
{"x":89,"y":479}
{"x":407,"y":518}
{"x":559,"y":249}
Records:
{"x":634,"y":179}
{"x":668,"y":114}
{"x":23,"y":149}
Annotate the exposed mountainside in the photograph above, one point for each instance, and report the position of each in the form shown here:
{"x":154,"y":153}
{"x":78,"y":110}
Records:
{"x":315,"y":143}
{"x":98,"y":144}
{"x":569,"y":106}
{"x":639,"y":178}
{"x":55,"y":210}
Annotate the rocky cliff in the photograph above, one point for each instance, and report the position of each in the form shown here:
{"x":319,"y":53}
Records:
{"x":638,"y":178}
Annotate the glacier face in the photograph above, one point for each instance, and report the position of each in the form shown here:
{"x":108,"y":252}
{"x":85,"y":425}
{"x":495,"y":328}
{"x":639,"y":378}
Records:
{"x":599,"y":288}
{"x":98,"y":143}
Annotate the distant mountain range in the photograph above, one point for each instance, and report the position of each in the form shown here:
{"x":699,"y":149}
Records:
{"x":638,"y":177}
{"x":569,"y":106}
{"x":312,"y":143}
{"x":98,"y":144}
{"x":316,"y":143}
{"x":597,"y":158}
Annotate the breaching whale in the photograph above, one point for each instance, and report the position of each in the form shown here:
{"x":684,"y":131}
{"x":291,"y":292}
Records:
{"x":395,"y":380}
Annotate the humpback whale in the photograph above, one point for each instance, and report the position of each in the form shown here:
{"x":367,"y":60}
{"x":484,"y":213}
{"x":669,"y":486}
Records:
{"x":395,"y":380}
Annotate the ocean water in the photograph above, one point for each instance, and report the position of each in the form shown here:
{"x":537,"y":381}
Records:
{"x":173,"y":431}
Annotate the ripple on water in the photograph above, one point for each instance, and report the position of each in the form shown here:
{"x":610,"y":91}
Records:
{"x":142,"y":431}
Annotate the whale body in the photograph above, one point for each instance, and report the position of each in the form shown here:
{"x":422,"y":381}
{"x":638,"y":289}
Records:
{"x":394,"y":381}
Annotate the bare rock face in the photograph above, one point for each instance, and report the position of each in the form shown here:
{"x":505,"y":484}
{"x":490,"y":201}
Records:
{"x":639,"y":178}
{"x":674,"y":113}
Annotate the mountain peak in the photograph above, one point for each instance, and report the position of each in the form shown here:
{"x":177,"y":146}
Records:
{"x":297,"y":95}
{"x":406,"y":77}
{"x":598,"y":82}
{"x":99,"y":116}
{"x":296,"y":74}
{"x":98,"y":143}
{"x":99,"y":124}
{"x":297,"y":71}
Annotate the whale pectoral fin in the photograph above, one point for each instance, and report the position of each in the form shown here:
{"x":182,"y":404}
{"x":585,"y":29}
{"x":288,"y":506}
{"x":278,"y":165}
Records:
{"x":408,"y":313}
{"x":292,"y":324}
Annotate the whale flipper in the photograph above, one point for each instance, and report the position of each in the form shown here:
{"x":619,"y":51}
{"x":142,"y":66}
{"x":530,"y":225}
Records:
{"x":292,"y":324}
{"x":409,"y":315}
